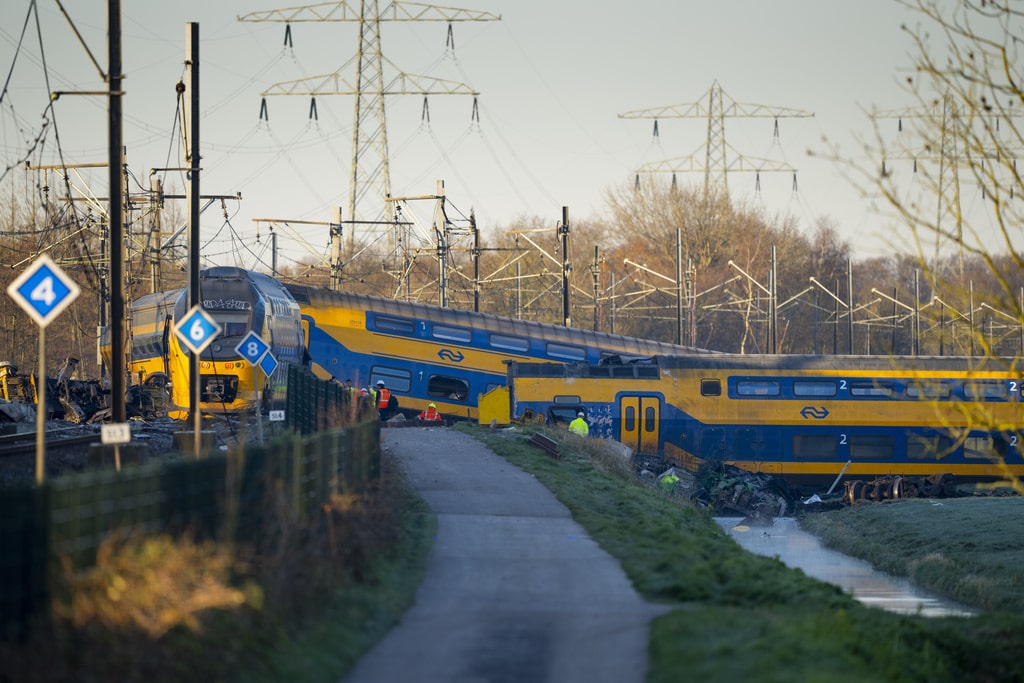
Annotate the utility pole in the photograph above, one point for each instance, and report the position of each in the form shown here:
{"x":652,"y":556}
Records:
{"x":595,"y":275}
{"x":115,"y":166}
{"x":370,"y":177}
{"x":679,"y":285}
{"x":476,"y":262}
{"x":715,"y":106}
{"x":192,"y":159}
{"x":441,"y":234}
{"x":563,"y":231}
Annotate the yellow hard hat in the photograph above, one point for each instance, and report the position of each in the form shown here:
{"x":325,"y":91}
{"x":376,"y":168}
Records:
{"x":431,"y":405}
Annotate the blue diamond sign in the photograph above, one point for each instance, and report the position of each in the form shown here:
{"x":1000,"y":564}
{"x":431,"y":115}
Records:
{"x":252,"y":348}
{"x":197,"y":329}
{"x":268,"y":364}
{"x":43,"y":290}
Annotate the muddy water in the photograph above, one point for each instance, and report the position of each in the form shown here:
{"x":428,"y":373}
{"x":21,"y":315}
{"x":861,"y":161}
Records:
{"x":798,"y":549}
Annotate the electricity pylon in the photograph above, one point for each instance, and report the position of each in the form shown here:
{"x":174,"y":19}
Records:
{"x":370,"y":178}
{"x":946,"y":119}
{"x":715,"y":105}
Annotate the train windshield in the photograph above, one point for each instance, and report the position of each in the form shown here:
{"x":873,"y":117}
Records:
{"x":234,"y":327}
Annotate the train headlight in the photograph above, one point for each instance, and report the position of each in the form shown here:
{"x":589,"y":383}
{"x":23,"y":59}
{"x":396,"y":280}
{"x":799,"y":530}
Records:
{"x":205,"y":365}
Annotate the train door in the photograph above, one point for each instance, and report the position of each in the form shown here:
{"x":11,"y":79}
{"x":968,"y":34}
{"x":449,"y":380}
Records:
{"x":639,"y":422}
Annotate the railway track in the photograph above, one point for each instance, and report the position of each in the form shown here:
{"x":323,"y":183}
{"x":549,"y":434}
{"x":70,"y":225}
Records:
{"x":12,"y":445}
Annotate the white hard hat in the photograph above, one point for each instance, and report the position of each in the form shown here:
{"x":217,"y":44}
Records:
{"x":581,"y":414}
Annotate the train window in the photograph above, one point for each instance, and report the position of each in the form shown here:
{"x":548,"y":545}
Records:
{"x":871,"y":447}
{"x":649,"y":423}
{"x":234,"y":329}
{"x":503,"y":341}
{"x":758,"y":387}
{"x":918,"y":389}
{"x":980,"y":389}
{"x":979,"y":447}
{"x":921,"y":447}
{"x":384,"y":323}
{"x":871,"y":389}
{"x":447,"y":333}
{"x":393,"y":378}
{"x":814,"y":388}
{"x":567,"y":352}
{"x":817,"y":446}
{"x":629,"y":419}
{"x":562,"y":415}
{"x":449,"y":388}
{"x":710,"y":387}
{"x":567,"y":399}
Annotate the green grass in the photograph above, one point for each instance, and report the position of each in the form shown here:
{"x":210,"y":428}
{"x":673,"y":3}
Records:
{"x":740,"y":616}
{"x":737,"y":616}
{"x":970,"y":550}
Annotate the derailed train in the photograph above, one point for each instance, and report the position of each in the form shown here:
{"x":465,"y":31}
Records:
{"x":423,"y":353}
{"x":805,"y":418}
{"x":241,"y":302}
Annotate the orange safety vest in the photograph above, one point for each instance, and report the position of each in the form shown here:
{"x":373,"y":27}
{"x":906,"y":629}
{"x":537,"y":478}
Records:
{"x":430,"y":414}
{"x":383,"y":396}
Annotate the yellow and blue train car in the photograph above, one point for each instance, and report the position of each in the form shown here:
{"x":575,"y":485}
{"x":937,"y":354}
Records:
{"x":240,"y":301}
{"x":423,"y":353}
{"x":151,"y":318}
{"x":429,"y":354}
{"x":806,"y":418}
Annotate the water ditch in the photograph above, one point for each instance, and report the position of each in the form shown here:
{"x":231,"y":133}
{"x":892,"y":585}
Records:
{"x":800,"y":550}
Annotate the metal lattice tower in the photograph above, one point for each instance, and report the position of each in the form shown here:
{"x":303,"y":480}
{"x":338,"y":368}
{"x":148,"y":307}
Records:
{"x":370,"y":180}
{"x":946,"y":119}
{"x":715,"y":162}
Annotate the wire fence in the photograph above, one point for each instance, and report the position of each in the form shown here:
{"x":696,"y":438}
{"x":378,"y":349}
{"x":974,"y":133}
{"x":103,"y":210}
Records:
{"x":219,"y":496}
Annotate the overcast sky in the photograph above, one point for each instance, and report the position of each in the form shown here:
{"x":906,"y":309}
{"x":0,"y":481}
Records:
{"x":553,"y":78}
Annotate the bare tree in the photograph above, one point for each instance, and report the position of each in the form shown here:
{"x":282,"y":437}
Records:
{"x":963,"y":136}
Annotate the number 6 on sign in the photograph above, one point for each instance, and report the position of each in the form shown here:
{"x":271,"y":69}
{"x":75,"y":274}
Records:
{"x":196,"y":330}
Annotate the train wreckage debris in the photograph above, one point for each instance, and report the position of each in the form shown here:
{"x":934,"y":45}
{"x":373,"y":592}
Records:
{"x":77,"y":401}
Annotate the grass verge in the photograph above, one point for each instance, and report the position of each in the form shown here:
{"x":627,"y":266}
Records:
{"x":741,"y":616}
{"x":966,"y":549}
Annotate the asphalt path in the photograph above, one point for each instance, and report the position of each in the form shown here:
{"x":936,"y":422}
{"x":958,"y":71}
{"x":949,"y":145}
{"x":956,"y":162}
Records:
{"x":515,"y":590}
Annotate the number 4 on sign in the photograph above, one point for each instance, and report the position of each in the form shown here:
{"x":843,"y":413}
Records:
{"x":43,"y":290}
